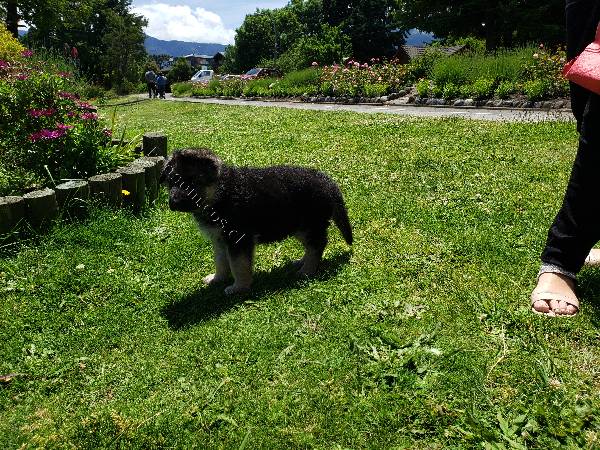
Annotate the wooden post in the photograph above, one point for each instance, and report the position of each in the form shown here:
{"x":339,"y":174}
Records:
{"x":151,"y":178}
{"x":72,"y":197}
{"x":107,"y":188}
{"x":41,"y":207}
{"x":12,"y":212}
{"x":134,"y":182}
{"x":154,"y":144}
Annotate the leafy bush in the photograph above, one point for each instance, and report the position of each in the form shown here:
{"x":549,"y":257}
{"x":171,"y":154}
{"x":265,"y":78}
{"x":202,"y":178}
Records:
{"x":47,"y":131}
{"x":504,"y":89}
{"x":375,"y":89}
{"x":423,"y":87}
{"x":451,"y":91}
{"x":547,"y":67}
{"x":482,"y":88}
{"x":537,"y":89}
{"x":466,"y":91}
{"x":258,"y":87}
{"x":421,"y":66}
{"x":181,"y":89}
{"x":10,"y":48}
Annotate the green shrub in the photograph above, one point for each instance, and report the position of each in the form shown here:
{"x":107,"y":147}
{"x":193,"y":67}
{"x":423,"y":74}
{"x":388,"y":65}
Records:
{"x":536,"y":90}
{"x":504,"y":89}
{"x":451,"y":91}
{"x":181,"y":70}
{"x":421,"y":66}
{"x":423,"y":88}
{"x":466,"y":91}
{"x":436,"y":90}
{"x":376,"y":89}
{"x":47,"y":131}
{"x":182,"y":89}
{"x":482,"y":88}
{"x":258,"y":87}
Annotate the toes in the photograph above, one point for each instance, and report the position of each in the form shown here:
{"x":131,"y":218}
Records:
{"x":541,"y":306}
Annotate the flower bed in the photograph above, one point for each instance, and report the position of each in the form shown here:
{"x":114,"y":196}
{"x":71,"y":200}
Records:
{"x":48,"y":132}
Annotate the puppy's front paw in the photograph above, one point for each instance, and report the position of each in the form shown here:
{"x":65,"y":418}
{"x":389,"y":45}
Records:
{"x":236,"y":289}
{"x":212,"y":279}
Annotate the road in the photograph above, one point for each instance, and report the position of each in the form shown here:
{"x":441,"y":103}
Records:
{"x":497,"y":114}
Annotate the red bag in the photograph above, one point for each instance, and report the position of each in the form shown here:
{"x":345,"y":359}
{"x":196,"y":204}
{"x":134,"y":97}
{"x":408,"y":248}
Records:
{"x":585,"y":69}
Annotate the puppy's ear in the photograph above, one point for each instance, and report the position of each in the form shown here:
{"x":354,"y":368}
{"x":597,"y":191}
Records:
{"x":200,"y":163}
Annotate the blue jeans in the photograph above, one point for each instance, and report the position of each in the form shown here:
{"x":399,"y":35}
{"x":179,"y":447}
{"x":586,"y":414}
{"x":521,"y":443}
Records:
{"x":576,"y":227}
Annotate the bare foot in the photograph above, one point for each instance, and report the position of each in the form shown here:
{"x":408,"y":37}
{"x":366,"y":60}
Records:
{"x":555,"y":295}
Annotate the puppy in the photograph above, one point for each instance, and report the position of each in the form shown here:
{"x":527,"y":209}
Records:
{"x":238,"y":207}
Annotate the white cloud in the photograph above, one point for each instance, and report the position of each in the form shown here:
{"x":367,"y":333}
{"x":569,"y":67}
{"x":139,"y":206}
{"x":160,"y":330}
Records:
{"x":182,"y":23}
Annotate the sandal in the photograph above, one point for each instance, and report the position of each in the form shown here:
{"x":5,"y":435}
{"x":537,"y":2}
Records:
{"x":548,"y":294}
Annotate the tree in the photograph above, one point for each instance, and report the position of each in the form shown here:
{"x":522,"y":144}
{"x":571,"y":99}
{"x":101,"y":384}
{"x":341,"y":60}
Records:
{"x":125,"y":53}
{"x":499,"y":22}
{"x":181,"y":70}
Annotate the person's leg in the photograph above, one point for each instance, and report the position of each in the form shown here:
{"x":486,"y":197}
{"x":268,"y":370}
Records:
{"x":575,"y":229}
{"x":149,"y":89}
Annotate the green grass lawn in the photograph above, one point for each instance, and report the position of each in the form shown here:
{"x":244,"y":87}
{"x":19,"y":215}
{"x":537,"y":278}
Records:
{"x":420,"y":336}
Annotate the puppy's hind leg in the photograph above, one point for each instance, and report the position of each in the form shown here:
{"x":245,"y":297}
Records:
{"x":223,"y":271}
{"x":240,"y":262}
{"x":314,"y":242}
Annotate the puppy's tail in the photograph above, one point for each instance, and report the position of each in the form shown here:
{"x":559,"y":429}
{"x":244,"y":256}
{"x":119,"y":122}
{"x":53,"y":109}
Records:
{"x":340,"y":217}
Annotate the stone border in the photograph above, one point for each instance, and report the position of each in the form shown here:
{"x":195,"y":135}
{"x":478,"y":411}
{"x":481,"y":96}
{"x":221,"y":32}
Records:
{"x":133,"y":186}
{"x":408,"y":97}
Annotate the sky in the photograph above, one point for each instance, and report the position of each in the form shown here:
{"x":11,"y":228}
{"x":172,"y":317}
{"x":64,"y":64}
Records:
{"x":210,"y":21}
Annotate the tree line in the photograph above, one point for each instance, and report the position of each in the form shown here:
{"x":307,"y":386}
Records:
{"x":328,"y":30}
{"x":103,"y":37}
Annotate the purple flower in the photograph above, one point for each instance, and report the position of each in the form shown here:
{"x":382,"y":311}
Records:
{"x":89,"y":116}
{"x":41,"y":112}
{"x":63,"y":127}
{"x":68,"y":95}
{"x":4,"y":65}
{"x":86,"y":106}
{"x":22,"y":77}
{"x":26,"y":53}
{"x":46,"y":134}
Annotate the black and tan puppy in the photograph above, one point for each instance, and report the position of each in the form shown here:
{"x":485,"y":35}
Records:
{"x":238,"y":207}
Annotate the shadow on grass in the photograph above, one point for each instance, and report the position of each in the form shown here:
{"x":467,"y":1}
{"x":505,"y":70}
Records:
{"x":589,"y":293}
{"x":210,"y":301}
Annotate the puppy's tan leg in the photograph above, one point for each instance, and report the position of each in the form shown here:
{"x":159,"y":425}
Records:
{"x":223,"y":271}
{"x":241,"y":269}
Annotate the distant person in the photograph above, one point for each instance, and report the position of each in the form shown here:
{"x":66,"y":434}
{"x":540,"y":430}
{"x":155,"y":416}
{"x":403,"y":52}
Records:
{"x":161,"y":84}
{"x":150,"y":78}
{"x":576,"y":227}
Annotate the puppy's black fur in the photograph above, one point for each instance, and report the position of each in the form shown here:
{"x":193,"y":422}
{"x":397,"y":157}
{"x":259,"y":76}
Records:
{"x":238,"y":207}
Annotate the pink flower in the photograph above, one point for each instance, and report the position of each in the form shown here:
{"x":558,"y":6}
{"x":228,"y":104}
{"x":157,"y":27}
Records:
{"x":4,"y":65}
{"x":314,"y":64}
{"x":64,"y":74}
{"x":86,"y":106}
{"x":68,"y":95}
{"x":26,"y":53}
{"x":22,"y":77}
{"x":89,"y":116}
{"x":41,"y":112}
{"x":107,"y":132}
{"x":46,"y":134}
{"x":63,"y":127}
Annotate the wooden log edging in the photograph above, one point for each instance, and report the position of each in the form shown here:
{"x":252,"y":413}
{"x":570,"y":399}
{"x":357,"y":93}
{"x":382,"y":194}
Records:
{"x":71,"y":199}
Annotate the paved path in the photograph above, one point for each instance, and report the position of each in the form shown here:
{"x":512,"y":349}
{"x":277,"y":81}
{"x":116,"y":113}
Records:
{"x":511,"y":115}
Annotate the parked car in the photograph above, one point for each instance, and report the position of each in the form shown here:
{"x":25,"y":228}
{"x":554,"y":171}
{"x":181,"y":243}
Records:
{"x":203,"y":75}
{"x":261,"y":72}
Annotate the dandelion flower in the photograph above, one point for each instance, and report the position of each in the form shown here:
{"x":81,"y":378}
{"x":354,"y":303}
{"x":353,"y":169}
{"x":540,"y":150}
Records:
{"x":126,"y":192}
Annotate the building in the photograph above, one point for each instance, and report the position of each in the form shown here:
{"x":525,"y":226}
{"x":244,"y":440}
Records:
{"x":205,"y":62}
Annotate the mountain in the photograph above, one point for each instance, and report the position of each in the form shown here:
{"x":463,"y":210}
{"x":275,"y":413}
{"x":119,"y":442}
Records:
{"x":418,"y":38}
{"x":156,"y":46}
